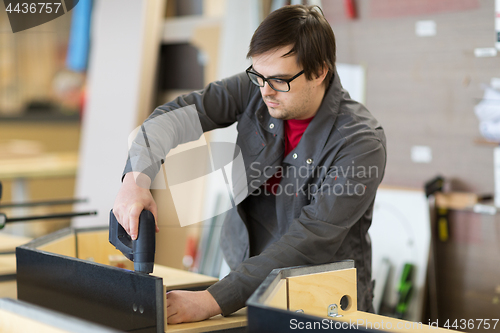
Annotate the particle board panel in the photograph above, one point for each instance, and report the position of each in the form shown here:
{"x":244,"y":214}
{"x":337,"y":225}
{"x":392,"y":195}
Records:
{"x":8,"y":289}
{"x":309,"y":292}
{"x":42,"y":166}
{"x":25,"y":140}
{"x":313,"y":293}
{"x":88,"y":288}
{"x":14,"y":323}
{"x":18,"y":316}
{"x":95,"y":246}
{"x":65,"y":246}
{"x":151,"y":47}
{"x":178,"y":279}
{"x":101,"y":294}
{"x":365,"y":320}
{"x":279,"y":296}
{"x":216,"y":323}
{"x":165,"y":314}
{"x":8,"y":261}
{"x":62,"y":283}
{"x":10,"y":242}
{"x":7,"y":264}
{"x":53,"y":136}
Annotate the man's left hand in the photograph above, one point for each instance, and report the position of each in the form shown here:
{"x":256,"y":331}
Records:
{"x":187,"y":306}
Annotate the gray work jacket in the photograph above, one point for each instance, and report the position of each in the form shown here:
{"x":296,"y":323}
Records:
{"x":328,"y":185}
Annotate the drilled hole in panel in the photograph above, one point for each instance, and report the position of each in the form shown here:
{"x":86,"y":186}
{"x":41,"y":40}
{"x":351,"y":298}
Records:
{"x":345,"y":302}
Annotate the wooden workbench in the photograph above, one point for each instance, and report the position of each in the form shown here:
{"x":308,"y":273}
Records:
{"x":17,"y":316}
{"x":8,"y":287}
{"x":49,"y":171}
{"x":39,"y":166}
{"x":237,"y":319}
{"x":8,"y":261}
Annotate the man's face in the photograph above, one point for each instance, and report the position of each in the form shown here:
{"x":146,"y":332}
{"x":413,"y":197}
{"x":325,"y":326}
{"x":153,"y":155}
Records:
{"x":294,"y":104}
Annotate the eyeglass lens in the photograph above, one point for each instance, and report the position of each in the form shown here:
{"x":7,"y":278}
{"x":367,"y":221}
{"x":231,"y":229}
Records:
{"x":276,"y":84}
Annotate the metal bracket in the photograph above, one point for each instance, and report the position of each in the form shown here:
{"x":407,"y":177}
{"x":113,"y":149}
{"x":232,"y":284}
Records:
{"x":333,"y":311}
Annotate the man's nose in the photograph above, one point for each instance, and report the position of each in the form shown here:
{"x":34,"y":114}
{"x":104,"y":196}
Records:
{"x":266,"y":90}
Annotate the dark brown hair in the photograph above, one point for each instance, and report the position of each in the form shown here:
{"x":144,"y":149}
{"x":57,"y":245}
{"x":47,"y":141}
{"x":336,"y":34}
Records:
{"x":306,"y":29}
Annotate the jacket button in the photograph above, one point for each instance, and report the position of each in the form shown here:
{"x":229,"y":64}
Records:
{"x":309,"y":161}
{"x":294,"y":156}
{"x":271,"y":126}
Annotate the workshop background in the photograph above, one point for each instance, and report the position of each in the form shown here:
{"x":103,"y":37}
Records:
{"x":72,"y":90}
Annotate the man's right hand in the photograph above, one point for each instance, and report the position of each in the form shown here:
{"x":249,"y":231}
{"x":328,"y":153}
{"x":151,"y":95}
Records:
{"x":133,"y":197}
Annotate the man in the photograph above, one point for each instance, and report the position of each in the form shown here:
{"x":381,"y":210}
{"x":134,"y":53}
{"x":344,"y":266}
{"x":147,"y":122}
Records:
{"x":313,"y":159}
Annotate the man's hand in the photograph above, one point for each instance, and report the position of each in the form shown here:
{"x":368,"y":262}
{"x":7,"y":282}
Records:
{"x":187,"y":306}
{"x":133,"y":197}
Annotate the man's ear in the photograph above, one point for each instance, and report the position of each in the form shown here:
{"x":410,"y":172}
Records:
{"x":322,"y":73}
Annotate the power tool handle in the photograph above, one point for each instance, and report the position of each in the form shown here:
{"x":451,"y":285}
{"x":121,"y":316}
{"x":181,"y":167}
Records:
{"x":145,"y":245}
{"x":119,"y":237}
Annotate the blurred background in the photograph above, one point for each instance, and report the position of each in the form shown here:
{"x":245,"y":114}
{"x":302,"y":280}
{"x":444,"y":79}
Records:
{"x":74,"y":88}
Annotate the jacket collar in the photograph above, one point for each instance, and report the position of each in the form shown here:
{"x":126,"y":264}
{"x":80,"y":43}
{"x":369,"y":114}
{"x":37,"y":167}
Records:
{"x":308,"y":151}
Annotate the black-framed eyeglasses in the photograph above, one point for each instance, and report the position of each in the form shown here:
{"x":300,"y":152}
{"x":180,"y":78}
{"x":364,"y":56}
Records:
{"x":282,"y":85}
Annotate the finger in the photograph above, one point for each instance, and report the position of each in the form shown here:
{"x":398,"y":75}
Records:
{"x":170,"y":315}
{"x":134,"y":213}
{"x":154,"y":210}
{"x":171,"y":295}
{"x":117,"y":211}
{"x":171,"y":310}
{"x":174,"y":319}
{"x":123,"y":219}
{"x":170,"y":299}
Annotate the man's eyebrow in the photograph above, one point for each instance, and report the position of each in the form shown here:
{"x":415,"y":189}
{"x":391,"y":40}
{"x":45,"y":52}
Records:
{"x":282,"y":76}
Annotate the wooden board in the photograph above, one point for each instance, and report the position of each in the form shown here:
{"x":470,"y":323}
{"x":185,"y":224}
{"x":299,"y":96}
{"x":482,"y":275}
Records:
{"x":152,"y":33}
{"x":65,"y":246}
{"x":313,"y":293}
{"x":10,"y":242}
{"x":7,"y":264}
{"x":387,"y":324}
{"x":11,"y":323}
{"x":178,"y":279}
{"x":456,"y":200}
{"x":237,"y":319}
{"x":279,"y":296}
{"x":46,"y":165}
{"x":95,"y":246}
{"x":8,"y":289}
{"x":206,"y":37}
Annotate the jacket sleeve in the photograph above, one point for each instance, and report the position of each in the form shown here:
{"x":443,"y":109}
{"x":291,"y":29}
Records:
{"x":316,"y":235}
{"x":185,"y":119}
